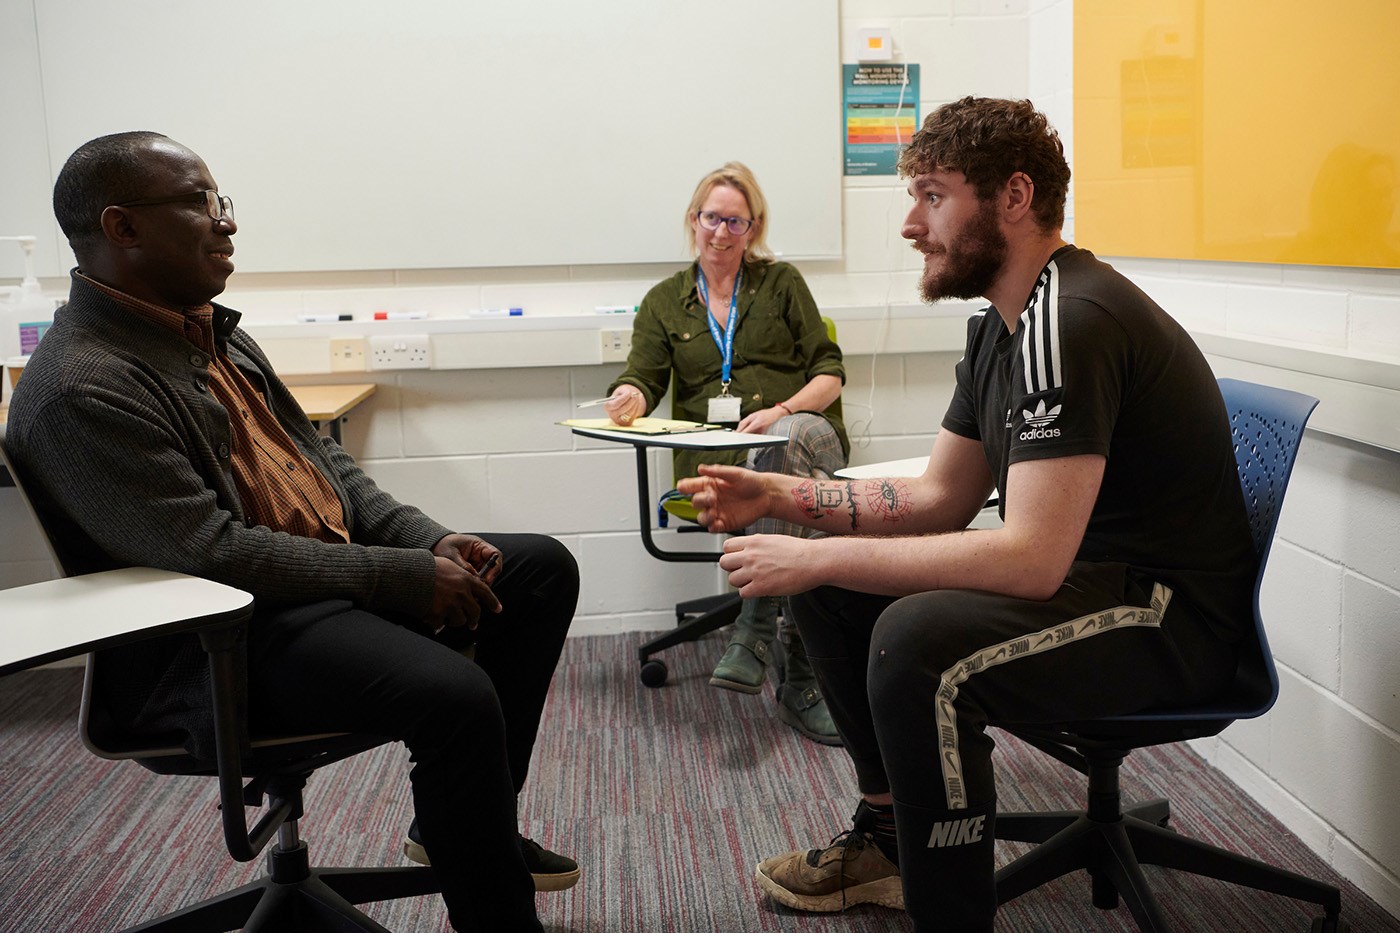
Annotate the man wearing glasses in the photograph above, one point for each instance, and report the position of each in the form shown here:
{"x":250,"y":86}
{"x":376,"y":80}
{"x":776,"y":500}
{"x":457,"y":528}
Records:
{"x":153,"y":431}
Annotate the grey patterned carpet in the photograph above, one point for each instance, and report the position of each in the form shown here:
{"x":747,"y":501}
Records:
{"x":667,"y":798}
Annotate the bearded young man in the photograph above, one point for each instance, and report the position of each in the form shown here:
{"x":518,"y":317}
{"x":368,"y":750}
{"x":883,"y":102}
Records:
{"x":1100,"y":425}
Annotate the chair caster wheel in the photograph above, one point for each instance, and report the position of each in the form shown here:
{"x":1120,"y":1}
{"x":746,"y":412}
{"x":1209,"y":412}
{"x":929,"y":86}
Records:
{"x":1324,"y":925}
{"x":654,"y":672}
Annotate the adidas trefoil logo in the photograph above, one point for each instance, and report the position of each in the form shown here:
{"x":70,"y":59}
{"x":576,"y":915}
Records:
{"x":1037,"y":421}
{"x":1040,"y":417}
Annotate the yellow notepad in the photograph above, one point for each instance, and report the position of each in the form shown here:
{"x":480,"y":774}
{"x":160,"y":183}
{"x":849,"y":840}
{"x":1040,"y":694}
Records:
{"x":642,"y":425}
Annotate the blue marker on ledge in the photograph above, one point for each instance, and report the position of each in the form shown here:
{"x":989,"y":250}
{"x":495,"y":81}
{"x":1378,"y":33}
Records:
{"x":497,"y":312}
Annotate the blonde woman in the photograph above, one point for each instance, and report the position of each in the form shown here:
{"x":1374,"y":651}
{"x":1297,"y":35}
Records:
{"x":739,"y":339}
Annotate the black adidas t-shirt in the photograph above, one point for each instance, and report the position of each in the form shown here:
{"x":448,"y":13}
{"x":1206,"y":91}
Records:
{"x":1096,"y":367}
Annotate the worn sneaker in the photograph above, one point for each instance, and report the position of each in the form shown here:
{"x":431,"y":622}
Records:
{"x":551,"y":871}
{"x":850,"y":871}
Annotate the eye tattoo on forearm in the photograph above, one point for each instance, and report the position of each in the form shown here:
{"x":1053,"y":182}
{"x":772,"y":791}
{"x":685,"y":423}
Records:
{"x":889,"y":498}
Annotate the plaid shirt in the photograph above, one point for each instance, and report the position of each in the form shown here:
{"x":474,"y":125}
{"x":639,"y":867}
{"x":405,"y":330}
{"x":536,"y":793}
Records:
{"x":277,"y":486}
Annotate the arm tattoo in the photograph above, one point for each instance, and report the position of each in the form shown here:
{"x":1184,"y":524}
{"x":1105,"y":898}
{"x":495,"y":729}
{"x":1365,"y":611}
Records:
{"x":889,"y":498}
{"x":822,"y":500}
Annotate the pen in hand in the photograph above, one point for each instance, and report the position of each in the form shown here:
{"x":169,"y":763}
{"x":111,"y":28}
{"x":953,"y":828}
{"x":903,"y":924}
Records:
{"x":595,"y":402}
{"x":491,"y":561}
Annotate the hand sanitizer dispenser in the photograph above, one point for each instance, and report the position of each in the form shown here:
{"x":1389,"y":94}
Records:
{"x":24,"y":311}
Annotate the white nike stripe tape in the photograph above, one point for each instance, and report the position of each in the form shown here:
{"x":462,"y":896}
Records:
{"x":1096,"y":623}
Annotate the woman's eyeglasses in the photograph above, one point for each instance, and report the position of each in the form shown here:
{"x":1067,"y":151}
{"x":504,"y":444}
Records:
{"x":738,"y":226}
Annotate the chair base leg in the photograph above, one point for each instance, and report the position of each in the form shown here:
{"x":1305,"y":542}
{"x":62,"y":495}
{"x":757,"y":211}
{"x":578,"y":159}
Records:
{"x":715,"y":613}
{"x":1114,"y":851}
{"x":295,"y":898}
{"x":1157,"y":846}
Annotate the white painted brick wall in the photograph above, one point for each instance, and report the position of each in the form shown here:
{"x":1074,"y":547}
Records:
{"x":1302,"y":600}
{"x":1370,"y":660}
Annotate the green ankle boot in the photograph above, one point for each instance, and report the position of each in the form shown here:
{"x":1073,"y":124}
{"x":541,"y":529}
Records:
{"x":800,"y":701}
{"x":744,"y":666}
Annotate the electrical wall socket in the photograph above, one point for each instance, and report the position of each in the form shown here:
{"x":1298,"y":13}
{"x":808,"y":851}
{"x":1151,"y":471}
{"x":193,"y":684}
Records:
{"x":404,"y":351}
{"x":348,"y":355}
{"x":616,"y":345}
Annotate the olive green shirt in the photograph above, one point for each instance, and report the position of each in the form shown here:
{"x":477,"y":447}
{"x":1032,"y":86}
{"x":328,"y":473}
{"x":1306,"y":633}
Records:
{"x":780,"y":343}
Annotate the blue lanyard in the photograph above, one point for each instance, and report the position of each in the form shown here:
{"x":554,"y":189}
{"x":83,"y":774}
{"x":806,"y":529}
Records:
{"x":725,"y":342}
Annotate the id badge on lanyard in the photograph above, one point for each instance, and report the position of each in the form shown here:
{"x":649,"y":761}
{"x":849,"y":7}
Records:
{"x":723,"y":408}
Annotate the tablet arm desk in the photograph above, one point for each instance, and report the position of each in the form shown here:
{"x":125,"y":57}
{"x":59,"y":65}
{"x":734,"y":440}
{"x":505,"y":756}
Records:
{"x":653,"y":670}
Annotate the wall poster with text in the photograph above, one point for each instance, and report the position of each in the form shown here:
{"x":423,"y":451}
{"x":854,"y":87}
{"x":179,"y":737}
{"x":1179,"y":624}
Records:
{"x":880,"y":113}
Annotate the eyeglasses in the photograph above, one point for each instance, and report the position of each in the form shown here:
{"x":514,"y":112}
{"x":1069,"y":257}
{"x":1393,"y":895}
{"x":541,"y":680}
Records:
{"x":218,"y":206}
{"x":738,"y":226}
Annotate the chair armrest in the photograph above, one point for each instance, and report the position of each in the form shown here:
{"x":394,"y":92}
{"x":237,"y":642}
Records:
{"x":64,"y":618}
{"x":227,"y":693}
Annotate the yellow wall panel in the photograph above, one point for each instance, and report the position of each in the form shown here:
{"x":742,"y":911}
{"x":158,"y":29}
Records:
{"x":1238,"y":130}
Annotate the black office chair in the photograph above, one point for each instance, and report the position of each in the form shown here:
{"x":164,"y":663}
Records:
{"x":1111,"y":842}
{"x":292,"y":896}
{"x":695,"y":618}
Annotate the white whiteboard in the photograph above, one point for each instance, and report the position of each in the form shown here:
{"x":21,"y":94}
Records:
{"x":452,"y":133}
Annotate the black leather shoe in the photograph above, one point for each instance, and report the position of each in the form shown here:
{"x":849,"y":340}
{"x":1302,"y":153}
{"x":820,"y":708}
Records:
{"x":551,"y":871}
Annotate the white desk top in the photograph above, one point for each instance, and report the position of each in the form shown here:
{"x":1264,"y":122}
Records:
{"x":58,"y":619}
{"x":910,"y":466}
{"x":694,"y":440}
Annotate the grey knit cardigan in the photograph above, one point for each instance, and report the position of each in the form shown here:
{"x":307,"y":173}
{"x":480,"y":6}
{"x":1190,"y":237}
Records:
{"x":126,"y":455}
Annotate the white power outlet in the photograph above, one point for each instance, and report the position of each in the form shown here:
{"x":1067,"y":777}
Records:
{"x":616,"y":345}
{"x":348,"y":355}
{"x":405,"y":351}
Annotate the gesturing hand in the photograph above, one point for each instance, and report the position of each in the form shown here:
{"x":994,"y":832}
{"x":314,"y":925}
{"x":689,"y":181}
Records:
{"x":729,"y":498}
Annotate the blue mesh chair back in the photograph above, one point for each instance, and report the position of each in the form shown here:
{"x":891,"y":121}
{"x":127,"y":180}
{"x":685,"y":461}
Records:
{"x":1112,"y":841}
{"x":1267,"y":425}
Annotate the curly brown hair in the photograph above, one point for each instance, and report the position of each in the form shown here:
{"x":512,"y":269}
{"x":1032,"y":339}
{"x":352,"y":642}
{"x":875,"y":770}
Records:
{"x":989,"y":140}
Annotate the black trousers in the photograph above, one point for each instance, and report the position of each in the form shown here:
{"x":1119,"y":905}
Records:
{"x":912,"y":684}
{"x":469,"y":724}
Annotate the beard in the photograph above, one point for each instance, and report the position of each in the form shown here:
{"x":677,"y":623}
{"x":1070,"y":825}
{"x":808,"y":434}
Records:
{"x":972,"y":260}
